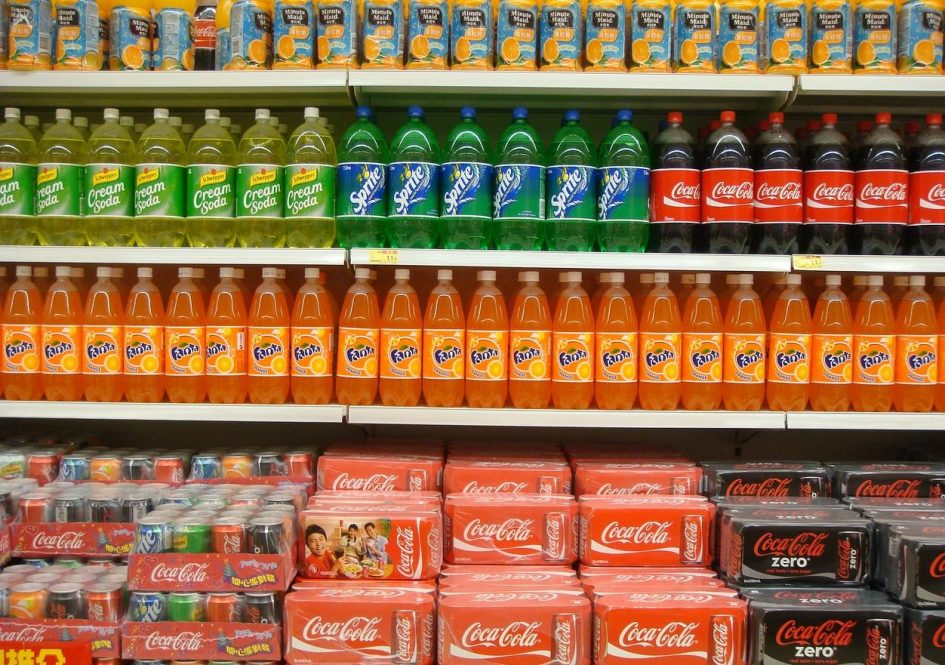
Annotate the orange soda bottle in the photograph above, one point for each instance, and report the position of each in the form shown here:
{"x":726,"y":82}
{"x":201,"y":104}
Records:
{"x":789,"y":348}
{"x":874,"y":344}
{"x":226,"y":342}
{"x":644,"y":286}
{"x":313,"y":350}
{"x":22,"y":313}
{"x":572,"y":383}
{"x":268,"y":362}
{"x":487,"y":345}
{"x":916,"y":349}
{"x":859,"y":288}
{"x":660,"y":346}
{"x":702,"y":348}
{"x":899,"y":288}
{"x":831,"y":372}
{"x":725,"y":293}
{"x":938,"y":290}
{"x":358,"y":339}
{"x":104,"y":334}
{"x":617,"y":348}
{"x":603,"y":283}
{"x":743,"y":372}
{"x":444,"y":344}
{"x":144,"y":341}
{"x":530,"y":345}
{"x":769,"y":299}
{"x":401,"y":333}
{"x":185,"y":335}
{"x":61,"y":334}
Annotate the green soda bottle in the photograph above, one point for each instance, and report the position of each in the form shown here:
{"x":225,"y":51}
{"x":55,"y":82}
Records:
{"x":519,"y":201}
{"x":17,"y":181}
{"x":466,"y":185}
{"x":59,"y":175}
{"x":361,"y":208}
{"x":571,"y":180}
{"x":260,"y":197}
{"x":311,"y":161}
{"x":414,"y":184}
{"x":623,"y":205}
{"x":110,"y":185}
{"x":211,"y":185}
{"x":32,"y":123}
{"x":160,"y":184}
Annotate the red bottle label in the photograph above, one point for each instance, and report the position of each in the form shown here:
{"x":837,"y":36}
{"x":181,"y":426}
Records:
{"x":675,"y":195}
{"x":882,"y":196}
{"x":829,"y":197}
{"x":728,"y":195}
{"x":927,"y":197}
{"x":778,"y":196}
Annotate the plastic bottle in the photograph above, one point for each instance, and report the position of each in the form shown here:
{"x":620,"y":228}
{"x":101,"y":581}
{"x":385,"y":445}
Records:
{"x":144,"y":341}
{"x":899,"y":288}
{"x":779,"y":206}
{"x":18,"y":186}
{"x":22,"y":313}
{"x":211,"y":185}
{"x":916,"y":349}
{"x":828,"y":191}
{"x":571,"y":183}
{"x":727,"y":189}
{"x":789,"y":349}
{"x":41,"y":279}
{"x":226,"y":342}
{"x":743,"y":373}
{"x":444,"y":345}
{"x":104,"y":336}
{"x":702,"y":348}
{"x":660,"y":347}
{"x":519,"y":199}
{"x":311,"y":161}
{"x":859,"y":288}
{"x":874,"y":350}
{"x":358,"y":342}
{"x":414,"y":192}
{"x":623,"y":205}
{"x":644,"y":286}
{"x":313,"y":342}
{"x":81,"y":123}
{"x":466,"y":178}
{"x":362,"y":183}
{"x":62,"y":155}
{"x":487,"y":345}
{"x":940,"y":386}
{"x":925,"y":234}
{"x":260,"y":194}
{"x":185,"y":336}
{"x":617,"y":350}
{"x":881,"y":200}
{"x":401,"y":344}
{"x":160,"y":185}
{"x":530,"y":345}
{"x":675,"y":191}
{"x":205,"y":35}
{"x":268,"y":363}
{"x":572,"y":382}
{"x":109,"y":185}
{"x":831,"y":350}
{"x":31,"y":122}
{"x":61,"y":335}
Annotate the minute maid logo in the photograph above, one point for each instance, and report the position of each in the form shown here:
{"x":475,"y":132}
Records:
{"x":104,"y":176}
{"x":212,"y":177}
{"x":464,"y":184}
{"x":371,"y":182}
{"x":47,"y":174}
{"x":572,"y":190}
{"x":416,"y":180}
{"x":304,"y":177}
{"x":263,"y":177}
{"x":508,"y":185}
{"x":616,"y":182}
{"x":147,"y":175}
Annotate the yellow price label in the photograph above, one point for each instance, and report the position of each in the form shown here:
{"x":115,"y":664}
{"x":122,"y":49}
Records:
{"x":807,"y":262}
{"x":383,"y":257}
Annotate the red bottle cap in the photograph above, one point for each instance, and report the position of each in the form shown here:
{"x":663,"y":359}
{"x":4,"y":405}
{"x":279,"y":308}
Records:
{"x":933,"y":119}
{"x":727,"y":116}
{"x":776,"y":118}
{"x":883,"y":118}
{"x":674,"y":117}
{"x":814,"y":125}
{"x":864,"y":126}
{"x":829,"y":118}
{"x":715,"y":124}
{"x":913,"y":127}
{"x":763,"y":125}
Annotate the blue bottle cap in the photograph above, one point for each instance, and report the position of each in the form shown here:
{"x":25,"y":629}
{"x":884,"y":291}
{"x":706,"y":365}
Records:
{"x":415,"y":112}
{"x":624,"y":115}
{"x":519,"y":113}
{"x":363,"y":112}
{"x":572,"y":115}
{"x":467,"y":113}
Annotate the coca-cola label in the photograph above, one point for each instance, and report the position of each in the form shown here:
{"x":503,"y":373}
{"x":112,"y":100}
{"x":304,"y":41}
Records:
{"x":925,"y":644}
{"x":778,"y":196}
{"x":922,"y":571}
{"x":896,"y":485}
{"x":200,"y":641}
{"x":728,"y":195}
{"x":768,"y":484}
{"x":77,"y":539}
{"x":882,"y":196}
{"x":802,"y":636}
{"x":675,"y":196}
{"x":210,"y":572}
{"x":927,"y":197}
{"x":828,"y":197}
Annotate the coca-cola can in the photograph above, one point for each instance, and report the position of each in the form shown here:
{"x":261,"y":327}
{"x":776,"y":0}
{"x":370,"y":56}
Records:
{"x":554,"y":545}
{"x":261,"y":608}
{"x":925,"y":640}
{"x":937,"y":488}
{"x":681,"y":486}
{"x":547,"y":485}
{"x":881,"y":648}
{"x":852,"y":555}
{"x":137,"y":467}
{"x":268,"y":463}
{"x":103,"y":601}
{"x":42,"y":467}
{"x":813,"y":486}
{"x":267,"y":535}
{"x":135,"y":505}
{"x":299,"y":464}
{"x":169,"y":469}
{"x":692,"y":540}
{"x":103,"y":509}
{"x":416,"y":480}
{"x":71,"y":506}
{"x":722,"y":646}
{"x":564,"y":638}
{"x":228,"y":536}
{"x":225,"y":607}
{"x":65,"y":601}
{"x":405,"y":647}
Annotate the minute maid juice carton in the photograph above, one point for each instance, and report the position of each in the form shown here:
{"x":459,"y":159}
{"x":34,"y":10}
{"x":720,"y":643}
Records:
{"x":786,"y":25}
{"x":651,"y":32}
{"x":77,"y":35}
{"x":250,"y":35}
{"x":428,"y":34}
{"x":30,"y":34}
{"x":517,"y":35}
{"x":831,"y":37}
{"x":694,"y":36}
{"x":337,"y":34}
{"x":738,"y":37}
{"x":561,"y":35}
{"x":874,"y":37}
{"x":293,"y":26}
{"x":382,"y":34}
{"x":605,"y":36}
{"x":471,"y":35}
{"x":129,"y":39}
{"x":920,"y":37}
{"x":172,"y":43}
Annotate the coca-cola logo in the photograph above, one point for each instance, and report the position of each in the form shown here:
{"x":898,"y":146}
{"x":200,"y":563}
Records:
{"x":830,"y":633}
{"x":404,"y":632}
{"x":691,"y":540}
{"x":353,"y":630}
{"x":844,"y":556}
{"x":721,"y":637}
{"x":553,"y":536}
{"x":506,"y":487}
{"x":67,"y":541}
{"x":512,"y":530}
{"x":902,"y":488}
{"x":740,"y":192}
{"x":785,"y":193}
{"x":378,"y":482}
{"x":180,"y":642}
{"x":361,"y":593}
{"x":405,"y":543}
{"x":608,"y":489}
{"x":673,"y":635}
{"x":564,"y":638}
{"x":24,"y":634}
{"x":877,"y":646}
{"x":833,"y":194}
{"x":187,"y":573}
{"x":893,"y":192}
{"x":648,"y":533}
{"x":682,"y":191}
{"x":516,"y":634}
{"x":938,"y":637}
{"x":937,"y":569}
{"x":936,"y":193}
{"x":766,"y":487}
{"x":806,"y":544}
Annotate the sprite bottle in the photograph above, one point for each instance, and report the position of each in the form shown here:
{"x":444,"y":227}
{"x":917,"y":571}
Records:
{"x":571,"y":179}
{"x":519,"y":200}
{"x":414,"y":206}
{"x":59,"y":174}
{"x":17,"y":181}
{"x":362,"y":183}
{"x":623,"y":204}
{"x":466,"y":186}
{"x":160,"y":181}
{"x":259,"y":188}
{"x":110,"y":185}
{"x":310,"y":184}
{"x":211,"y":185}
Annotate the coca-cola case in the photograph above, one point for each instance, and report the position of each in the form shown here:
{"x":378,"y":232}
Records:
{"x":378,"y":472}
{"x":887,"y":531}
{"x":925,"y":638}
{"x":882,"y":504}
{"x":629,"y":478}
{"x":688,"y":572}
{"x":812,"y":595}
{"x":666,"y":578}
{"x":766,"y":479}
{"x":465,"y":575}
{"x":597,"y":588}
{"x":724,"y":502}
{"x":901,"y":480}
{"x":506,"y":477}
{"x":920,"y":564}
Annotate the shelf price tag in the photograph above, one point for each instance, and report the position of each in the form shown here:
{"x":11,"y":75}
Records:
{"x":383,"y":257}
{"x":807,"y":262}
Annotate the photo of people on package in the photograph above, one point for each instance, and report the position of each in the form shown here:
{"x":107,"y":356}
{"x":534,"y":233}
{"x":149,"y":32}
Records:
{"x":337,"y":549}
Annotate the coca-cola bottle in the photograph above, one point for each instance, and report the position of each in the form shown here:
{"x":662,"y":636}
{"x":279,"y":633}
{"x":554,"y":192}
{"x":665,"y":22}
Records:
{"x":828,"y":191}
{"x":881,"y":191}
{"x":205,"y":36}
{"x":863,"y":129}
{"x":925,"y":234}
{"x":728,"y":188}
{"x":675,"y":201}
{"x":909,"y":131}
{"x":779,"y":208}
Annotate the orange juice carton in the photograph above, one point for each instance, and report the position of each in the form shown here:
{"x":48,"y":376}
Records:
{"x":874,"y":37}
{"x":738,"y":37}
{"x":337,"y":34}
{"x":471,"y":35}
{"x":293,"y":27}
{"x":428,"y":34}
{"x":562,"y":34}
{"x":920,"y":37}
{"x":786,"y":25}
{"x":104,"y":10}
{"x":129,"y":40}
{"x":831,"y":37}
{"x":30,"y":34}
{"x":694,"y":36}
{"x":605,"y":36}
{"x":250,"y":35}
{"x":172,"y":46}
{"x":517,"y":35}
{"x":651,"y":34}
{"x":77,"y":35}
{"x":382,"y":34}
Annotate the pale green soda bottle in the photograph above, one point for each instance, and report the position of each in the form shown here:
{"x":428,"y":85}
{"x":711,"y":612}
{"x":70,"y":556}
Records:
{"x":32,"y":123}
{"x":211,"y":185}
{"x":160,"y":185}
{"x":17,"y":181}
{"x":110,"y":185}
{"x":82,"y":124}
{"x":260,"y":196}
{"x":311,"y":161}
{"x":59,"y":174}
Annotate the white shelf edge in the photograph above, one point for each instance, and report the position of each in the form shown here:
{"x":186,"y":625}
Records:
{"x":282,"y":413}
{"x":868,"y":264}
{"x":884,"y":84}
{"x":808,"y":420}
{"x":173,"y":256}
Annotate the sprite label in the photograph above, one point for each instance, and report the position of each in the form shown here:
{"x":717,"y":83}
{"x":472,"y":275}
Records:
{"x":109,"y":190}
{"x":466,"y":190}
{"x":310,"y":191}
{"x":259,"y":190}
{"x":571,"y":193}
{"x":17,"y":189}
{"x":362,"y":190}
{"x":519,"y":191}
{"x":59,"y":189}
{"x":211,"y":190}
{"x":413,"y":189}
{"x":159,"y":190}
{"x":624,"y":194}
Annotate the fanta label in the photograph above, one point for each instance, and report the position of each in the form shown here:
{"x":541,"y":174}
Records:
{"x":467,"y":190}
{"x":130,"y":39}
{"x":829,"y":197}
{"x":694,"y":29}
{"x":226,"y":350}
{"x":605,"y":36}
{"x":875,"y":359}
{"x":728,"y":195}
{"x":917,"y":359}
{"x":659,"y":357}
{"x":574,"y":357}
{"x":778,"y":196}
{"x":676,"y":195}
{"x":31,"y":29}
{"x":414,"y":189}
{"x":269,"y":351}
{"x":561,"y":35}
{"x":159,"y":190}
{"x":103,"y":349}
{"x":144,"y":350}
{"x":186,"y":350}
{"x":487,"y":355}
{"x":703,"y":360}
{"x":77,"y":36}
{"x":109,"y":190}
{"x":427,"y":34}
{"x":920,"y":37}
{"x":173,"y":42}
{"x":61,"y":349}
{"x":517,"y":35}
{"x":310,"y":191}
{"x":293,"y":28}
{"x":259,"y":191}
{"x":651,"y":33}
{"x":337,"y":34}
{"x":20,"y":349}
{"x":832,"y":359}
{"x":874,"y":37}
{"x":572,"y":193}
{"x":59,"y":190}
{"x":738,"y":38}
{"x":471,"y":35}
{"x":211,"y":191}
{"x":623,"y":194}
{"x":831,"y":37}
{"x":789,"y":358}
{"x":519,"y":191}
{"x":250,"y":36}
{"x":444,"y":353}
{"x":882,"y":196}
{"x":786,"y":22}
{"x":357,"y":352}
{"x":616,"y":359}
{"x":400,"y":354}
{"x":383,"y":34}
{"x":744,"y":358}
{"x":312,"y":351}
{"x":926,"y":197}
{"x":529,"y":352}
{"x":17,"y":189}
{"x":362,"y":190}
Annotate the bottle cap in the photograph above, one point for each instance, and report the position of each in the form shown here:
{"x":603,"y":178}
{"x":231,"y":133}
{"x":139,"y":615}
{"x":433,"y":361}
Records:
{"x":444,"y":275}
{"x":118,"y":273}
{"x":80,"y":121}
{"x":938,"y":281}
{"x":569,"y":277}
{"x":874,"y":280}
{"x":11,"y":113}
{"x":486,"y":275}
{"x":362,"y":273}
{"x":185,"y":272}
{"x":607,"y":277}
{"x":883,"y":118}
{"x":764,"y":125}
{"x":814,"y":126}
{"x":863,"y":126}
{"x":661,"y":278}
{"x":227,"y":273}
{"x":176,"y":121}
{"x":110,"y":114}
{"x":199,"y":273}
{"x":402,"y":274}
{"x":211,"y":114}
{"x":270,"y":273}
{"x":703,"y":278}
{"x":746,"y":279}
{"x":776,"y":118}
{"x":31,"y":121}
{"x":917,"y":280}
{"x":519,"y":113}
{"x":833,"y":280}
{"x":312,"y":273}
{"x":792,"y":280}
{"x":572,"y":115}
{"x":860,"y":280}
{"x":933,"y":119}
{"x":24,"y":271}
{"x":731,"y":279}
{"x":126,"y":121}
{"x":829,"y":118}
{"x":901,"y":280}
{"x":415,"y":112}
{"x":3,"y":271}
{"x":145,"y":272}
{"x":240,"y":273}
{"x":262,"y":114}
{"x":161,"y":114}
{"x":40,"y":271}
{"x":63,"y":271}
{"x":727,"y":116}
{"x":63,"y":114}
{"x":363,"y":112}
{"x":78,"y":273}
{"x":103,"y":271}
{"x":467,"y":113}
{"x":674,"y":117}
{"x":687,"y":278}
{"x":310,"y":113}
{"x":225,"y":121}
{"x":274,"y":121}
{"x":624,"y":115}
{"x":646,"y":278}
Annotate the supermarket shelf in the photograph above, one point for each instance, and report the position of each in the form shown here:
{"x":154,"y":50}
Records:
{"x":870,"y":92}
{"x":917,"y":265}
{"x":280,"y":413}
{"x":172,"y":256}
{"x":866,"y":421}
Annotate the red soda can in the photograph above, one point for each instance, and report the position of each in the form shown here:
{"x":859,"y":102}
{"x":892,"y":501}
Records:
{"x":35,"y":507}
{"x":416,"y":480}
{"x":299,"y":464}
{"x":406,"y":644}
{"x":692,"y":540}
{"x":555,"y":546}
{"x":169,"y":469}
{"x":103,"y":601}
{"x":228,"y":536}
{"x":564,"y":639}
{"x":225,"y":607}
{"x":42,"y":467}
{"x":548,"y":485}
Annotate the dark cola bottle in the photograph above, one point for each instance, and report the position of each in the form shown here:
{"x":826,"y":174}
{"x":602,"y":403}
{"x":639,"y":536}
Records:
{"x":205,"y":36}
{"x":881,"y":191}
{"x":728,"y":189}
{"x":779,"y":208}
{"x":925,"y":235}
{"x":675,"y":202}
{"x":828,"y":191}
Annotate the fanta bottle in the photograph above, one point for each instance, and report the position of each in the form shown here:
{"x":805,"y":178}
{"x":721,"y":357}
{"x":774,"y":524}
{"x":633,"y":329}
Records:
{"x":530,"y":336}
{"x":401,"y":361}
{"x":269,"y":321}
{"x":226,"y":342}
{"x":185,"y":341}
{"x":660,"y":346}
{"x":743,"y":374}
{"x":160,"y":183}
{"x":642,"y":290}
{"x":572,"y":382}
{"x":414,"y":175}
{"x":831,"y":350}
{"x":18,"y":175}
{"x":310,"y":184}
{"x":859,"y":288}
{"x":487,"y":345}
{"x":61,"y":335}
{"x":59,"y":202}
{"x":444,"y":345}
{"x":104,"y":340}
{"x":42,"y":280}
{"x":466,"y":186}
{"x":617,"y":349}
{"x":519,"y":200}
{"x":702,"y":348}
{"x":211,"y":185}
{"x":358,"y":341}
{"x":110,"y":185}
{"x":940,"y":386}
{"x":362,"y":183}
{"x":789,"y":348}
{"x":874,"y":349}
{"x":144,"y":341}
{"x":572,"y":188}
{"x":259,"y":185}
{"x":916,"y":349}
{"x":22,"y":314}
{"x":313,"y":342}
